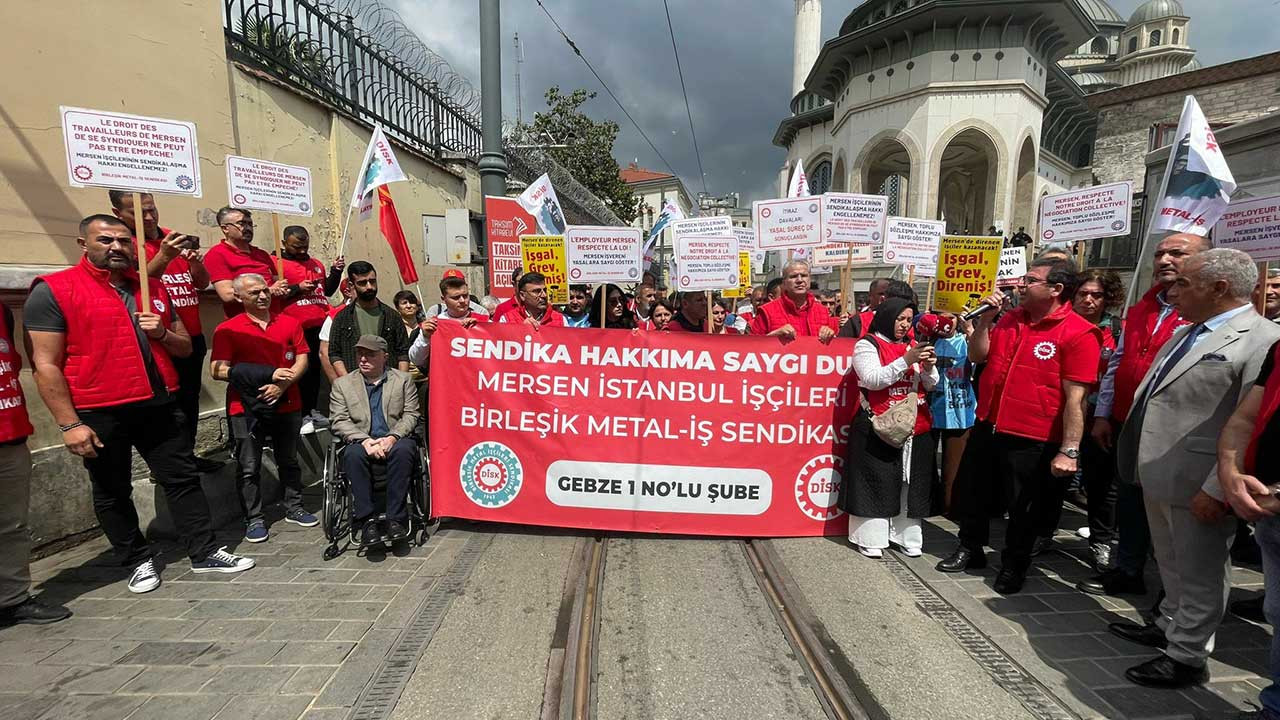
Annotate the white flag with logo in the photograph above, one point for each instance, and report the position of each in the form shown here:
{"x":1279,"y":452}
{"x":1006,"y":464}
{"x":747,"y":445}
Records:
{"x":540,"y":201}
{"x":379,"y":168}
{"x":1199,"y":183}
{"x":670,"y":212}
{"x":799,"y":186}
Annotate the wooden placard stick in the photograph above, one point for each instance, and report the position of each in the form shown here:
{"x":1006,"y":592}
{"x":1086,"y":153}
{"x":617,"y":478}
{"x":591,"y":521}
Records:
{"x":928,"y":298}
{"x":275,"y":232}
{"x":144,"y":283}
{"x":911,"y":275}
{"x":1261,"y":304}
{"x":710,"y":330}
{"x":604,"y":302}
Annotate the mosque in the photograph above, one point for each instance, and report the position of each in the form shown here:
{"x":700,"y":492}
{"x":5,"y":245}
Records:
{"x":968,"y":111}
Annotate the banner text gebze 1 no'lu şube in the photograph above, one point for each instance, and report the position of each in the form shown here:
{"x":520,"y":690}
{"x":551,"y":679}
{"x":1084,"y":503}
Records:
{"x":613,"y":430}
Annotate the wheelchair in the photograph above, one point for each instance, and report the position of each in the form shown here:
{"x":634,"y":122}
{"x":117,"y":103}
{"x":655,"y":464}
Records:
{"x":338,"y":515}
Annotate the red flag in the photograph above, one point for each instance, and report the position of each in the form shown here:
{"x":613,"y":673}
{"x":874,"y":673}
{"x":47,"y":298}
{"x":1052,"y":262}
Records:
{"x":389,"y":224}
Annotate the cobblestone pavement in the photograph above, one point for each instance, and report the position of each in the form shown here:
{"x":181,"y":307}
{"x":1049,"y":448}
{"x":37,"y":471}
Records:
{"x":1060,"y":635}
{"x":294,"y":637}
{"x":301,"y":637}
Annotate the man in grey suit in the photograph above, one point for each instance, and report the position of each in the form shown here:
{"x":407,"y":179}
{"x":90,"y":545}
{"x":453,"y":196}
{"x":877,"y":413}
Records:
{"x":375,"y":412}
{"x":1169,"y":447}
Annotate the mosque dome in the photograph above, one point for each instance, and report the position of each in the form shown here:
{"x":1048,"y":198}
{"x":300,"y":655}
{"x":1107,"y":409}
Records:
{"x":1101,"y":12}
{"x":1156,"y":10}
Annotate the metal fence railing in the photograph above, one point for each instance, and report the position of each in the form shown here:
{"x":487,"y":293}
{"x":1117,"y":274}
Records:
{"x":315,"y":47}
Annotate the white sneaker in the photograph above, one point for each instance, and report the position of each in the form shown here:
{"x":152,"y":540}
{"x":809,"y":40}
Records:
{"x":145,"y":578}
{"x":1083,"y":532}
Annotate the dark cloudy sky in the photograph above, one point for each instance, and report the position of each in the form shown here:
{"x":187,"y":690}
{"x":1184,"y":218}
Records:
{"x":736,"y":56}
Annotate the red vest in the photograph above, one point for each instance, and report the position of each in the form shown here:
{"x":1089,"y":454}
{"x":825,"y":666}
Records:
{"x":879,"y":400}
{"x":1020,"y":391}
{"x":517,"y":314}
{"x":1270,"y":403}
{"x":807,"y":321}
{"x":865,"y":317}
{"x":104,"y":365}
{"x":14,"y":423}
{"x":1142,"y":340}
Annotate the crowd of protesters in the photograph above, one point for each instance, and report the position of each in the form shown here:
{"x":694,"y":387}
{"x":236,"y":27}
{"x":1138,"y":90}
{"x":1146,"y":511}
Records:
{"x":1160,"y":426}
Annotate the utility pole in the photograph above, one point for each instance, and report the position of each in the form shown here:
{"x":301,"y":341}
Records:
{"x":493,"y":161}
{"x":519,"y":95}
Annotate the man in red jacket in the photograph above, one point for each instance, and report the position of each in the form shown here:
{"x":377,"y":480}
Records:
{"x":1148,"y":325}
{"x":1041,"y":359}
{"x":104,"y":368}
{"x":796,"y":313}
{"x":532,"y":308}
{"x":16,"y":603}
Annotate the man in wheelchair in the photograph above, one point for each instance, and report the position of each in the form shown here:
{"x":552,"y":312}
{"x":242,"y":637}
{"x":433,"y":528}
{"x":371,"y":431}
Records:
{"x":375,"y":412}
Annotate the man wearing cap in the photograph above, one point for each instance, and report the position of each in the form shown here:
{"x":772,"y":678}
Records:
{"x":456,"y":301}
{"x":439,"y":308}
{"x":262,"y":355}
{"x":375,"y":411}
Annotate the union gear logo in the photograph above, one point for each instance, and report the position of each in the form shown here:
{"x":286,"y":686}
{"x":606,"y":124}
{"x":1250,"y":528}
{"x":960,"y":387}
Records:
{"x":1044,"y":350}
{"x":4,"y":347}
{"x":158,"y":304}
{"x":491,"y":474}
{"x":288,"y":355}
{"x":818,"y":487}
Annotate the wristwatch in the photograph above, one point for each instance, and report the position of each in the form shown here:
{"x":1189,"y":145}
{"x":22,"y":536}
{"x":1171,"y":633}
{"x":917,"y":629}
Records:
{"x":1073,"y":453}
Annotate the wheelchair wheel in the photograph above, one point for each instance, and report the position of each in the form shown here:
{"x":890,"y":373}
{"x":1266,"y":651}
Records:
{"x":335,"y":515}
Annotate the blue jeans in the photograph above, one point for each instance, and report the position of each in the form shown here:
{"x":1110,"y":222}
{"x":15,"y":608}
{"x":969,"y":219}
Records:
{"x":358,"y":467}
{"x":1267,"y":532}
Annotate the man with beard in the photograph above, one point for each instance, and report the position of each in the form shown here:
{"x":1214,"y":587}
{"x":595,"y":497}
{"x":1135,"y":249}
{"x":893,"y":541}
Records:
{"x":796,"y":313}
{"x":103,"y":364}
{"x":646,"y":296}
{"x":308,"y":302}
{"x":366,"y":316}
{"x":235,"y":256}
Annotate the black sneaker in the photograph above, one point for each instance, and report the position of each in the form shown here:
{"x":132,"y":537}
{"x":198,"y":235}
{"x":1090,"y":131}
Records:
{"x":221,"y":561}
{"x":32,"y":612}
{"x":369,"y":534}
{"x":144,"y":578}
{"x":396,"y":531}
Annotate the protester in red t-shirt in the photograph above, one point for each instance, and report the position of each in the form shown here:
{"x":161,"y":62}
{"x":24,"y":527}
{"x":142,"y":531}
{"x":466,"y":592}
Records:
{"x":796,"y":312}
{"x":533,"y":308}
{"x":1041,"y":358}
{"x":308,"y":302}
{"x":174,"y":259}
{"x":262,"y":355}
{"x":236,"y":256}
{"x":692,"y":316}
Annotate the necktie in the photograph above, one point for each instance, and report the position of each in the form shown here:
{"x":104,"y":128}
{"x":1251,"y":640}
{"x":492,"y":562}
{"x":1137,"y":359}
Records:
{"x":1174,"y":357}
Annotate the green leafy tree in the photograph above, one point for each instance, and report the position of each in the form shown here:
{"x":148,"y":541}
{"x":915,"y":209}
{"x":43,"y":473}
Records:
{"x":589,"y":152}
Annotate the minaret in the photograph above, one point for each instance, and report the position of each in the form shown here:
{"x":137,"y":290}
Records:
{"x":808,"y":41}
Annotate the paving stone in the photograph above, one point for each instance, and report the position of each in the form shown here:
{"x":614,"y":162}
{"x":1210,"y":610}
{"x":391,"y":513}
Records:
{"x":101,"y":608}
{"x":349,"y":631}
{"x":169,"y":680}
{"x":249,"y":679}
{"x":383,"y":577}
{"x":312,"y":653}
{"x":208,"y":609}
{"x":75,"y":628}
{"x":29,"y":678}
{"x":164,"y":653}
{"x":343,"y":690}
{"x":280,"y":707}
{"x":229,"y":630}
{"x":162,"y":608}
{"x":308,"y":681}
{"x":1071,"y":647}
{"x":23,"y":706}
{"x":375,"y":644}
{"x":1070,"y":602}
{"x":382,"y":593}
{"x":93,"y":679}
{"x":1140,"y":703}
{"x":339,"y":593}
{"x":91,"y":652}
{"x":93,"y":707}
{"x":1016,"y":604}
{"x":325,"y":714}
{"x":248,"y":591}
{"x":267,"y":575}
{"x":23,"y":652}
{"x":191,"y":707}
{"x":284,"y":609}
{"x":240,"y":653}
{"x":299,"y":630}
{"x":156,"y":629}
{"x":314,"y":575}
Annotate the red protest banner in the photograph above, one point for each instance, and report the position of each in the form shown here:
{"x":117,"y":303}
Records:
{"x":648,"y":432}
{"x":505,"y":221}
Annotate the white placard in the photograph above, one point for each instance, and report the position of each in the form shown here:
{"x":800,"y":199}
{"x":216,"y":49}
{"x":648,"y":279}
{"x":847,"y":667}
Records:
{"x":909,"y":242}
{"x":857,"y":219}
{"x":1252,"y":226}
{"x":1013,"y":266}
{"x":787,"y":223}
{"x":719,"y":225}
{"x":747,"y":243}
{"x":599,"y":254}
{"x":830,"y":255}
{"x":262,"y":185}
{"x":130,"y":152}
{"x":1100,"y":211}
{"x":706,"y":263}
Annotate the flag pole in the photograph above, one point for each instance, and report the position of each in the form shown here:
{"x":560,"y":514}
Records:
{"x":1155,"y":202}
{"x":144,"y":278}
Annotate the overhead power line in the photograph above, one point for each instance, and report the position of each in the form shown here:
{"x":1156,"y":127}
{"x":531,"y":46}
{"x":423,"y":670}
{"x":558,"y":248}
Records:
{"x":578,"y":52}
{"x":679,"y":71}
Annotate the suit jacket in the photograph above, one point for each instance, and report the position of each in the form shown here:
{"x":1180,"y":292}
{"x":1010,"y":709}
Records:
{"x":349,"y":414}
{"x":1170,"y":445}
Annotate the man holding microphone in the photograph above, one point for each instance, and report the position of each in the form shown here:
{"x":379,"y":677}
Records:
{"x":1041,"y":359}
